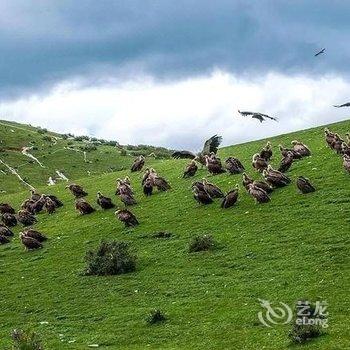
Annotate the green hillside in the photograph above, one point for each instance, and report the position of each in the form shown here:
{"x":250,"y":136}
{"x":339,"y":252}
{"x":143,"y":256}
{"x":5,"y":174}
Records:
{"x":296,"y":246}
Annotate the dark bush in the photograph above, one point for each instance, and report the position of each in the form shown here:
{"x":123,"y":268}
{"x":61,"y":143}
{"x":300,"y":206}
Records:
{"x":201,"y":243}
{"x":110,"y":258}
{"x":26,"y":340}
{"x":155,"y":316}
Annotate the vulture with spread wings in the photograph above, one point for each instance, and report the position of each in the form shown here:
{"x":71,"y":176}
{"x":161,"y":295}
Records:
{"x":256,"y":115}
{"x":210,"y":146}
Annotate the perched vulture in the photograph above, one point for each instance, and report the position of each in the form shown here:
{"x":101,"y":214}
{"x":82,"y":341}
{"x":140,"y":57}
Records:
{"x":77,"y":191}
{"x":202,"y":197}
{"x":329,"y":136}
{"x":190,"y":170}
{"x":34,"y":195}
{"x":213,"y":190}
{"x":284,"y":152}
{"x":261,"y":184}
{"x":145,"y":176}
{"x":124,"y":187}
{"x":57,"y":202}
{"x":127,"y":199}
{"x":213,"y":164}
{"x":345,"y":148}
{"x":304,"y":185}
{"x":38,"y":206}
{"x":275,"y":178}
{"x":4,"y":240}
{"x":30,"y":243}
{"x":199,"y":185}
{"x":259,"y":163}
{"x":27,"y":205}
{"x":286,"y":162}
{"x":127,"y":217}
{"x":104,"y":202}
{"x":346,"y":162}
{"x":138,"y":164}
{"x":34,"y":234}
{"x":50,"y":205}
{"x":230,"y":199}
{"x":148,"y":187}
{"x":6,"y":208}
{"x":210,"y":146}
{"x":5,"y":231}
{"x":266,"y":152}
{"x":258,"y":194}
{"x":234,"y":165}
{"x":9,"y":220}
{"x":26,"y":218}
{"x":83,"y":206}
{"x":301,"y":148}
{"x":161,"y":184}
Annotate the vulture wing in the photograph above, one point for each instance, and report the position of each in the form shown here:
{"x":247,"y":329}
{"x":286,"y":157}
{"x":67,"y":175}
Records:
{"x":183,"y":154}
{"x":212,"y":144}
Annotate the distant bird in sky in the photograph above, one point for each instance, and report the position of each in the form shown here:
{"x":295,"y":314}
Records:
{"x":256,"y":115}
{"x":347,"y":104}
{"x":320,"y":52}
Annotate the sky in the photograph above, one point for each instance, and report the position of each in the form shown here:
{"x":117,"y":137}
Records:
{"x":173,"y":73}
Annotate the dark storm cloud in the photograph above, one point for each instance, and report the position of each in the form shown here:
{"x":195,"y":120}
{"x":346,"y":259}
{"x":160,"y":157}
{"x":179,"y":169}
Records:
{"x":44,"y":42}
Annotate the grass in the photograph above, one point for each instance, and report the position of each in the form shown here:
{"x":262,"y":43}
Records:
{"x":295,"y":247}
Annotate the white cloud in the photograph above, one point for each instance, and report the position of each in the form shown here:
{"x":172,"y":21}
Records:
{"x":182,"y":114}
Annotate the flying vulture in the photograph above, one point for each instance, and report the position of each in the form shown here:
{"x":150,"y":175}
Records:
{"x":26,"y":218}
{"x":104,"y":202}
{"x":261,"y":184}
{"x":6,"y":208}
{"x":34,"y":234}
{"x":30,"y":243}
{"x":347,"y":104}
{"x":190,"y":170}
{"x":275,"y":178}
{"x":213,"y":190}
{"x":202,"y":197}
{"x":266,"y":152}
{"x":210,"y":146}
{"x":230,"y":199}
{"x":234,"y":165}
{"x":138,"y":164}
{"x":256,"y":115}
{"x":301,"y":148}
{"x":286,"y":162}
{"x":259,"y":163}
{"x":320,"y":52}
{"x":9,"y":220}
{"x":127,"y":217}
{"x":83,"y":206}
{"x":77,"y":191}
{"x":258,"y":193}
{"x":304,"y":185}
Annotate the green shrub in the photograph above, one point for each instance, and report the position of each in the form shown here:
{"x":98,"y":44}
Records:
{"x":155,"y":316}
{"x":110,"y":258}
{"x":201,"y":243}
{"x":26,"y":340}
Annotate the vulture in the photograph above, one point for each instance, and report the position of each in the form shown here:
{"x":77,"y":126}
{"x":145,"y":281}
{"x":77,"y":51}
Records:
{"x":202,"y":197}
{"x":347,"y":104}
{"x":127,"y":199}
{"x":275,"y":178}
{"x":304,"y":185}
{"x":4,"y":240}
{"x":286,"y":162}
{"x":213,"y":190}
{"x":230,"y":199}
{"x":213,"y":164}
{"x":161,"y":184}
{"x":259,"y":163}
{"x":284,"y":152}
{"x":5,"y":231}
{"x":6,"y":208}
{"x":266,"y":152}
{"x":50,"y":205}
{"x":34,"y":195}
{"x":9,"y":220}
{"x":26,"y":218}
{"x":77,"y":191}
{"x":199,"y":185}
{"x":256,"y":115}
{"x":345,"y":148}
{"x":30,"y":243}
{"x":83,"y":206}
{"x":258,"y":193}
{"x":210,"y":146}
{"x":38,"y":206}
{"x":145,"y":176}
{"x":34,"y":234}
{"x":320,"y":52}
{"x":234,"y":165}
{"x":138,"y":164}
{"x":124,"y":187}
{"x":333,"y":140}
{"x":104,"y":202}
{"x":27,"y":205}
{"x":261,"y":184}
{"x":329,"y":136}
{"x":57,"y":202}
{"x":127,"y":217}
{"x":148,"y":187}
{"x":190,"y":170}
{"x":346,"y":162}
{"x":301,"y":148}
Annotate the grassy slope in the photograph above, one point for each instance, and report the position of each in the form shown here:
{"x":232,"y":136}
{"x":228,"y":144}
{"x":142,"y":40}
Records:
{"x":294,"y":247}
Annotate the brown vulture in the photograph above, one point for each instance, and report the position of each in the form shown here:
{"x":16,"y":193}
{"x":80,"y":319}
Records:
{"x":210,"y":146}
{"x":77,"y":191}
{"x":190,"y":170}
{"x":345,"y":148}
{"x":304,"y":185}
{"x":262,"y":184}
{"x":213,"y":190}
{"x":202,"y":197}
{"x":34,"y":195}
{"x":259,"y":163}
{"x":159,"y":182}
{"x":50,"y":205}
{"x":329,"y":136}
{"x":148,"y":187}
{"x":230,"y":199}
{"x":213,"y":164}
{"x":4,"y":240}
{"x":83,"y":206}
{"x":145,"y":175}
{"x":30,"y":243}
{"x":26,"y":218}
{"x":104,"y":202}
{"x":256,"y":115}
{"x":124,"y":187}
{"x":6,"y":208}
{"x":127,"y":217}
{"x":346,"y":162}
{"x":138,"y":164}
{"x":266,"y":152}
{"x":127,"y":199}
{"x":57,"y":202}
{"x":275,"y":178}
{"x":258,"y":194}
{"x":234,"y":165}
{"x":284,"y":152}
{"x":27,"y":205}
{"x":301,"y":148}
{"x":38,"y":206}
{"x":34,"y":234}
{"x":286,"y":162}
{"x":199,"y":185}
{"x":9,"y":220}
{"x":5,"y":231}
